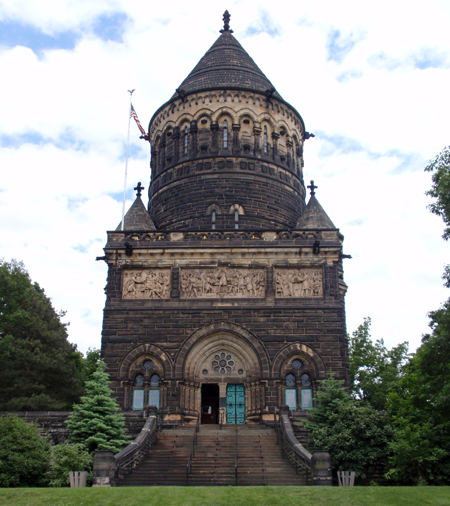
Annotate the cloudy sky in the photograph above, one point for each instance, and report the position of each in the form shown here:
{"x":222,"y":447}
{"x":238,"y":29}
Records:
{"x":370,"y":79}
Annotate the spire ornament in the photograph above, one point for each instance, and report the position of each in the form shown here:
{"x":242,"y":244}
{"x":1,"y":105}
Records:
{"x":226,"y":23}
{"x":139,"y":189}
{"x":312,"y":187}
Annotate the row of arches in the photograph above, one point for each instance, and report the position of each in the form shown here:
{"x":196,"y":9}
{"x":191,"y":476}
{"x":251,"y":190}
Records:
{"x":221,"y":358}
{"x":190,"y":138}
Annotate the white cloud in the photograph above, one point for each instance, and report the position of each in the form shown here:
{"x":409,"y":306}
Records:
{"x":379,"y":124}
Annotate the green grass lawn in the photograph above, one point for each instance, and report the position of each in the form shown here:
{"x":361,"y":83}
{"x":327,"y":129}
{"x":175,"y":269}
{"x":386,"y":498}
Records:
{"x":227,"y":496}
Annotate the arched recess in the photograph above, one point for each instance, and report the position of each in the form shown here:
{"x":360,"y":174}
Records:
{"x":222,"y":357}
{"x":232,"y":329}
{"x":137,"y":371}
{"x":140,"y":353}
{"x":300,"y":349}
{"x":296,"y":371}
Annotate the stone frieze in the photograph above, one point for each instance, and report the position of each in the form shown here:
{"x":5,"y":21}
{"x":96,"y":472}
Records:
{"x":298,"y":283}
{"x":146,"y":284}
{"x":222,"y":282}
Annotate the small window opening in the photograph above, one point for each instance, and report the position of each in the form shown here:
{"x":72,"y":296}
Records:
{"x":213,"y":220}
{"x":236,"y":219}
{"x":265,"y":139}
{"x":154,"y":380}
{"x":185,"y":140}
{"x":225,"y":134}
{"x":290,"y":380}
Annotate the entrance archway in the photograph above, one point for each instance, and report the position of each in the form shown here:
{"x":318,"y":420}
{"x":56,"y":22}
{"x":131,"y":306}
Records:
{"x":223,"y":359}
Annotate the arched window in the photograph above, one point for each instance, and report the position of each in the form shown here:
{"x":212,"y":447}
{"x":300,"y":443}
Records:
{"x":154,"y":380}
{"x":225,"y":134}
{"x":290,"y":380}
{"x":265,"y":139}
{"x":236,"y":219}
{"x":138,"y":392}
{"x":139,"y":380}
{"x":306,"y":380}
{"x":213,"y":220}
{"x":185,"y":140}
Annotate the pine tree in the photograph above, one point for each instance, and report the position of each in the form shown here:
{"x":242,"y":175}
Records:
{"x":39,"y":368}
{"x":96,"y":422}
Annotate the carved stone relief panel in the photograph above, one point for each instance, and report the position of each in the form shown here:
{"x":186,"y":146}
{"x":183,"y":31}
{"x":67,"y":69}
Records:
{"x":146,"y":284}
{"x":299,"y":282}
{"x":222,"y":282}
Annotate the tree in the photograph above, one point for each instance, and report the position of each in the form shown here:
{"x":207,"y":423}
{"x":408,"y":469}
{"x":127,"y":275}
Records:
{"x":420,"y":410}
{"x":374,"y":370}
{"x":440,"y":190}
{"x":68,"y":457}
{"x":39,"y":368}
{"x":96,"y":422}
{"x":356,"y":435}
{"x":24,"y":454}
{"x":90,"y":363}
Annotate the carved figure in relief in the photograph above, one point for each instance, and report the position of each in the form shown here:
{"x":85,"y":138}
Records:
{"x":298,"y":283}
{"x":146,"y":284}
{"x":223,"y":282}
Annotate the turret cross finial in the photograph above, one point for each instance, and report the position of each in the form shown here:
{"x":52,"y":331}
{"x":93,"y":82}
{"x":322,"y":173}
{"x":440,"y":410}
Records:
{"x":226,"y":23}
{"x":139,"y":189}
{"x":312,"y":187}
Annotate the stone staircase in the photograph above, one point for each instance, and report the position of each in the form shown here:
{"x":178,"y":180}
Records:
{"x":260,"y":460}
{"x":166,"y":464}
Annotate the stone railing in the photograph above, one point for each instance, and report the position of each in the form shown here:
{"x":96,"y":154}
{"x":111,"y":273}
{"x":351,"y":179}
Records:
{"x":108,"y":468}
{"x":223,"y":235}
{"x":316,"y":465}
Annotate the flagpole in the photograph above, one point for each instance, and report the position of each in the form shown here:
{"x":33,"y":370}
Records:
{"x":126,"y":161}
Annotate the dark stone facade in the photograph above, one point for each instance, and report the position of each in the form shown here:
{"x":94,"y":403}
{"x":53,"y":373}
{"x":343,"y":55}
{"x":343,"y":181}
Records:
{"x":229,"y":278}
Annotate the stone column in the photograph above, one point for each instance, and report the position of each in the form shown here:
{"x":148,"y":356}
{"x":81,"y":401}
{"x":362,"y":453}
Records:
{"x":289,"y":145}
{"x":194,"y":134}
{"x":275,"y":138}
{"x":104,"y":469}
{"x":257,"y":139}
{"x":176,"y":144}
{"x":236,"y":146}
{"x":214,"y":138}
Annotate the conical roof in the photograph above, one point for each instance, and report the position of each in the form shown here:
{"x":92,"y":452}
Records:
{"x":137,"y":217}
{"x":226,"y":65}
{"x":314,"y":216}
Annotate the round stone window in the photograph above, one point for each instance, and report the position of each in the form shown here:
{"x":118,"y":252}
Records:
{"x":297,"y":364}
{"x":222,"y":363}
{"x":205,"y":372}
{"x":147,"y":365}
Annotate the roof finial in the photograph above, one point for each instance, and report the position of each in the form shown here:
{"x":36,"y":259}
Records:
{"x":226,"y":22}
{"x":139,"y":189}
{"x":312,"y":187}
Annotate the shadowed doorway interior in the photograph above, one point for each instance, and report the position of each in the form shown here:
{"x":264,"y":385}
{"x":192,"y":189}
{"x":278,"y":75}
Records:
{"x":210,"y":403}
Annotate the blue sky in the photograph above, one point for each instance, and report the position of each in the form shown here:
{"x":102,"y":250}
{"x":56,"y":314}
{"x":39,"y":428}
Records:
{"x":373,"y":88}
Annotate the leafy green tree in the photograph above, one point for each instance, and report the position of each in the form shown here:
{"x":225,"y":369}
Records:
{"x":69,"y":457}
{"x":90,"y":363}
{"x":356,"y":435}
{"x":39,"y":368}
{"x":374,"y":370}
{"x":96,"y":422}
{"x":24,"y":454}
{"x":420,"y":410}
{"x":440,"y":189}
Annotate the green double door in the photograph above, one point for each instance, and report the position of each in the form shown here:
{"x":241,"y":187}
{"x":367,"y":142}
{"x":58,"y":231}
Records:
{"x":235,"y":404}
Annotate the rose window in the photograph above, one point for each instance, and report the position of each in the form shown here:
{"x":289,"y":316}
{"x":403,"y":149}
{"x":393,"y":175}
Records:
{"x":223,"y":363}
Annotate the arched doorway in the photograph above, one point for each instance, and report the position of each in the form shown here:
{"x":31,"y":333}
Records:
{"x":224,"y":371}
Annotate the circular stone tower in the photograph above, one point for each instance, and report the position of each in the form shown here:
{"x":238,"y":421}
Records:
{"x":226,"y":149}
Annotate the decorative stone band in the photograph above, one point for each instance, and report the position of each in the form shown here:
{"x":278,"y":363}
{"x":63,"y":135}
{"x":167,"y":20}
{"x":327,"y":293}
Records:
{"x":223,"y":282}
{"x":298,"y":283}
{"x":146,"y":284}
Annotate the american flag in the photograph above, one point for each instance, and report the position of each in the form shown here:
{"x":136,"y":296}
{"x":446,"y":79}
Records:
{"x":138,"y":123}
